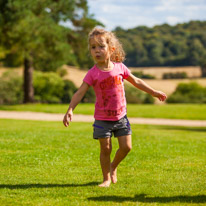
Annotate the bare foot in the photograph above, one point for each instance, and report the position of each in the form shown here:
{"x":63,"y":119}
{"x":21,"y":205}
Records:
{"x":105,"y":183}
{"x":113,"y":173}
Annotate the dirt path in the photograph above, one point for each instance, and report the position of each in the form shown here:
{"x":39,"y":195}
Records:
{"x":88,"y":118}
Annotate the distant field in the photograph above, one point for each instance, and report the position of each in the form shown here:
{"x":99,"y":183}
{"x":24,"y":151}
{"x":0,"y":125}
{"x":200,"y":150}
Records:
{"x":168,"y":86}
{"x":18,"y":70}
{"x":191,"y":71}
{"x":168,"y":111}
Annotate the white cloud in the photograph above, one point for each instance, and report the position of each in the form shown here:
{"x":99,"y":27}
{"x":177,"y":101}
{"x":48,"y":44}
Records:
{"x":170,"y":5}
{"x":172,"y":20}
{"x":132,"y":13}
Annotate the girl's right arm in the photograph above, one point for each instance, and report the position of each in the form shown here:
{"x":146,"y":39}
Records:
{"x":74,"y":102}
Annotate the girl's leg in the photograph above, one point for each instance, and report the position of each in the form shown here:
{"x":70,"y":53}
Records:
{"x":105,"y":151}
{"x":125,"y":145}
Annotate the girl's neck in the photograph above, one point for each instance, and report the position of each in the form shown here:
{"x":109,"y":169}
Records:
{"x":107,"y":66}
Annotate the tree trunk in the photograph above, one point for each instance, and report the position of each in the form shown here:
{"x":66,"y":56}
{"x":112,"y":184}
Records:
{"x":203,"y":69}
{"x":28,"y":81}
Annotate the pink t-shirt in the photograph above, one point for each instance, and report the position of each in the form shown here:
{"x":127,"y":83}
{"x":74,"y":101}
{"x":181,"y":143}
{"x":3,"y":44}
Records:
{"x":109,"y":89}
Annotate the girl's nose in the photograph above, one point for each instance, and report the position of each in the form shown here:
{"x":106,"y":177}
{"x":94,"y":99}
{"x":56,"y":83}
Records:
{"x":97,"y":49}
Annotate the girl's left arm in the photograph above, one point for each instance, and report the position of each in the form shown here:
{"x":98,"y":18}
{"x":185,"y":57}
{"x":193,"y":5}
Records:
{"x":140,"y":84}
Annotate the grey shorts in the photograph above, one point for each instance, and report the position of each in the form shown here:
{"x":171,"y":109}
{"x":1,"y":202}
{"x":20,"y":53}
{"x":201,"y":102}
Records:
{"x":103,"y":129}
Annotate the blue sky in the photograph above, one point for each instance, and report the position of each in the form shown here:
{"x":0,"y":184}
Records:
{"x":133,"y":13}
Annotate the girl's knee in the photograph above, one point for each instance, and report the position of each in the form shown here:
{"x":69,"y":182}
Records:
{"x":126,"y":148}
{"x":129,"y":147}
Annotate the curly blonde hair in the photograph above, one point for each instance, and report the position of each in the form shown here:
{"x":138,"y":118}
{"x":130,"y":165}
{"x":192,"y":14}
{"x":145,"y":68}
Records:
{"x":118,"y":55}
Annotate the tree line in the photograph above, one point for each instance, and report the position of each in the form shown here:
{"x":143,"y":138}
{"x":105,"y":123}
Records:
{"x":165,"y":45}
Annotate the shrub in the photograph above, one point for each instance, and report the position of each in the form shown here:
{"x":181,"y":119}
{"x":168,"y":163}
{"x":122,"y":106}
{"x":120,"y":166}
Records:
{"x":142,"y":75}
{"x":69,"y":90}
{"x":178,"y":75}
{"x":135,"y":96}
{"x":48,"y":87}
{"x":89,"y":96}
{"x":11,"y":88}
{"x":62,"y":72}
{"x":188,"y":93}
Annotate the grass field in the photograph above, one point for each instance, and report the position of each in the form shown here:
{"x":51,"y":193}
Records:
{"x":171,"y":111}
{"x":44,"y":163}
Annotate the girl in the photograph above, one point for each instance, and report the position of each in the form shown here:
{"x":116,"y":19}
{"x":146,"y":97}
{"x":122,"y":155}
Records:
{"x":106,"y":77}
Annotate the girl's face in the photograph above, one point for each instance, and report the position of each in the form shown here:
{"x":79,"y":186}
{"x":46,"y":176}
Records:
{"x":99,"y":49}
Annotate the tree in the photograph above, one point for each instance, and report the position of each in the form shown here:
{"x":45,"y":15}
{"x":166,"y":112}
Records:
{"x":78,"y":39}
{"x":32,"y":30}
{"x":154,"y":49}
{"x":164,"y":45}
{"x":203,"y":66}
{"x":195,"y":51}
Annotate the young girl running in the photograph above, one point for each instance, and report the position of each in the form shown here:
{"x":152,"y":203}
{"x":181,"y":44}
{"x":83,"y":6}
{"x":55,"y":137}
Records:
{"x":106,"y":77}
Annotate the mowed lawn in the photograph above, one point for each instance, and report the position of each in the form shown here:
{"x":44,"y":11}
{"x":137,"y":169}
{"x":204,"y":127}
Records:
{"x":169,"y":111}
{"x":44,"y":163}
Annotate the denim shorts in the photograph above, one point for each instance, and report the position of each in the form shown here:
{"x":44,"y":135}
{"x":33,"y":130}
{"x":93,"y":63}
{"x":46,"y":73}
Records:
{"x":104,"y":129}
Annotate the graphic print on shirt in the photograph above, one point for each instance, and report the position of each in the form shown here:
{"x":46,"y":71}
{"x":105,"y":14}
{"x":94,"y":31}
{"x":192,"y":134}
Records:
{"x":112,"y":91}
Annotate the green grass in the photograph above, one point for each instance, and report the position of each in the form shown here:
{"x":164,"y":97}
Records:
{"x":44,"y":163}
{"x":170,"y":111}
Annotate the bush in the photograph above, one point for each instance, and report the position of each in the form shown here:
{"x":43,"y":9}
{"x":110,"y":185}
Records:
{"x":188,"y":93}
{"x":69,"y":90}
{"x":48,"y":87}
{"x":142,"y":75}
{"x":62,"y":72}
{"x":178,"y":75}
{"x":89,"y":96}
{"x":135,"y":96}
{"x":11,"y":88}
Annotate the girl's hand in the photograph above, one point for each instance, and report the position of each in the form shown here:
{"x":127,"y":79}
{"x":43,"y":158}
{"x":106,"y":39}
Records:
{"x":67,"y":118}
{"x":160,"y":95}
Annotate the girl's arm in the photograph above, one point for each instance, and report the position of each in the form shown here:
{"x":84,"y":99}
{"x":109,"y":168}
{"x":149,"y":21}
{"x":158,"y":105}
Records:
{"x":74,"y":102}
{"x":140,"y":84}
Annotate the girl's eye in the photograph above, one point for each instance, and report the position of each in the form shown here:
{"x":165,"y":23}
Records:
{"x":102,"y":46}
{"x":93,"y":47}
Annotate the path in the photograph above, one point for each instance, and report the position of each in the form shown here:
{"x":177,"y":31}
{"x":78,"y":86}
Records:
{"x":88,"y":118}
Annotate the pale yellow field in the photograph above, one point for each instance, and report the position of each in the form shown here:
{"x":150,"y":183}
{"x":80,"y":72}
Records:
{"x":18,"y":70}
{"x":192,"y":71}
{"x":168,"y":86}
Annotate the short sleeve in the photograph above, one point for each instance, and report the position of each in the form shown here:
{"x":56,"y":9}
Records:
{"x":126,"y":71}
{"x":88,"y":78}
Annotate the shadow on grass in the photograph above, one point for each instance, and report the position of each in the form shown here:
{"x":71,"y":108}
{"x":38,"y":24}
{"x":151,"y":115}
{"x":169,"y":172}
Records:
{"x":145,"y":199}
{"x":194,"y":129}
{"x":28,"y":186}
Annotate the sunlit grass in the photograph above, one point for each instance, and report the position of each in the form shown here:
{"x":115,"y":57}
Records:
{"x":171,"y":111}
{"x":44,"y":163}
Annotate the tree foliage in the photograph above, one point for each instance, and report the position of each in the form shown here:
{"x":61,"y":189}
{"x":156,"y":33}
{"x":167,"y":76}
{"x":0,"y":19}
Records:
{"x":32,"y":34}
{"x":164,"y":45}
{"x":32,"y":31}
